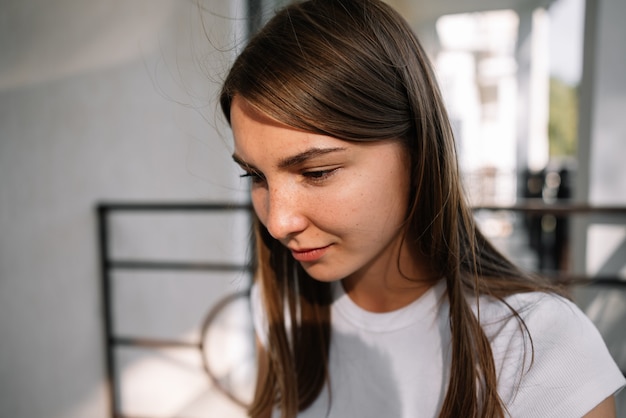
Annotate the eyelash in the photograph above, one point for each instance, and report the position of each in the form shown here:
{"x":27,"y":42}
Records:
{"x":253,"y":176}
{"x":316,"y":176}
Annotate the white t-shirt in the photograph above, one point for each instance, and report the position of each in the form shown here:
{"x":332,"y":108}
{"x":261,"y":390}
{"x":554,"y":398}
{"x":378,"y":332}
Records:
{"x":397,"y":364}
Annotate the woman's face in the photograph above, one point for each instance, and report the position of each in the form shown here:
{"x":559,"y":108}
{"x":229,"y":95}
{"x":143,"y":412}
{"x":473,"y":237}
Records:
{"x":338,"y":206}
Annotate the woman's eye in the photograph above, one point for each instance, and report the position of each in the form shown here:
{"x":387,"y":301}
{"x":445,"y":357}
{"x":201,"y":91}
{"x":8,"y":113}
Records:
{"x":319,"y":175}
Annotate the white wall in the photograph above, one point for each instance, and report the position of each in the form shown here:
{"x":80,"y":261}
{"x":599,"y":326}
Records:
{"x":85,"y":117}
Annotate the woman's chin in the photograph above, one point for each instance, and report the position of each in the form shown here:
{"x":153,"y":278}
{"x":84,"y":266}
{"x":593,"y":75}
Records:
{"x":320,"y":275}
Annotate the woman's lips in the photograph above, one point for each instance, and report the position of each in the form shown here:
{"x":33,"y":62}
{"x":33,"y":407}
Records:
{"x":309,"y":255}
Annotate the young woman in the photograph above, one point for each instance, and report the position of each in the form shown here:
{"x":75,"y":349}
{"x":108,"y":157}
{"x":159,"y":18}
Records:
{"x":376,"y":295}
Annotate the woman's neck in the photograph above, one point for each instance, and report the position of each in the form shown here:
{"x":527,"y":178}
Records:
{"x":391,"y":285}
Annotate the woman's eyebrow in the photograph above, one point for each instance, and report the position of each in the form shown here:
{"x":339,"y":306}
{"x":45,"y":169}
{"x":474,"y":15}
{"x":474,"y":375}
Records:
{"x":302,"y":157}
{"x":293,"y":160}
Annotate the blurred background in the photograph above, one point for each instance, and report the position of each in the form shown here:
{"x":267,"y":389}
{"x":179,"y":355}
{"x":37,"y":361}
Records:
{"x":124,"y":241}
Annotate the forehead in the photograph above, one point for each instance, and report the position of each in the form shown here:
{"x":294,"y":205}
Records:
{"x":257,"y":135}
{"x":244,"y":113}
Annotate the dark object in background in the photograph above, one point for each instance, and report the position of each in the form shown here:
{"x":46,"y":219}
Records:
{"x":548,"y":235}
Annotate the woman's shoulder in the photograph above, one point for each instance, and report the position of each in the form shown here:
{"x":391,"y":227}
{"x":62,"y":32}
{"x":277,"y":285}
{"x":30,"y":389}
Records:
{"x":545,"y":323}
{"x":528,"y":306}
{"x":549,"y":355}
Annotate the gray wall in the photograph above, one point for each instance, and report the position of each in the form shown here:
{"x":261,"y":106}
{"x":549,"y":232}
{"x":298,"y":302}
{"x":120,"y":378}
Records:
{"x":608,"y":138}
{"x":98,"y":101}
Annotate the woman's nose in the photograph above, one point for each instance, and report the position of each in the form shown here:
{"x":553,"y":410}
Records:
{"x":285,"y":214}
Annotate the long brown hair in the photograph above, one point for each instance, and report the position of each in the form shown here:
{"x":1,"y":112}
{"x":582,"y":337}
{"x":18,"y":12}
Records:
{"x":354,"y":70}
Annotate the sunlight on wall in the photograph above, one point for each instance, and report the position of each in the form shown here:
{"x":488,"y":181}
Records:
{"x":170,"y":383}
{"x":173,"y":382}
